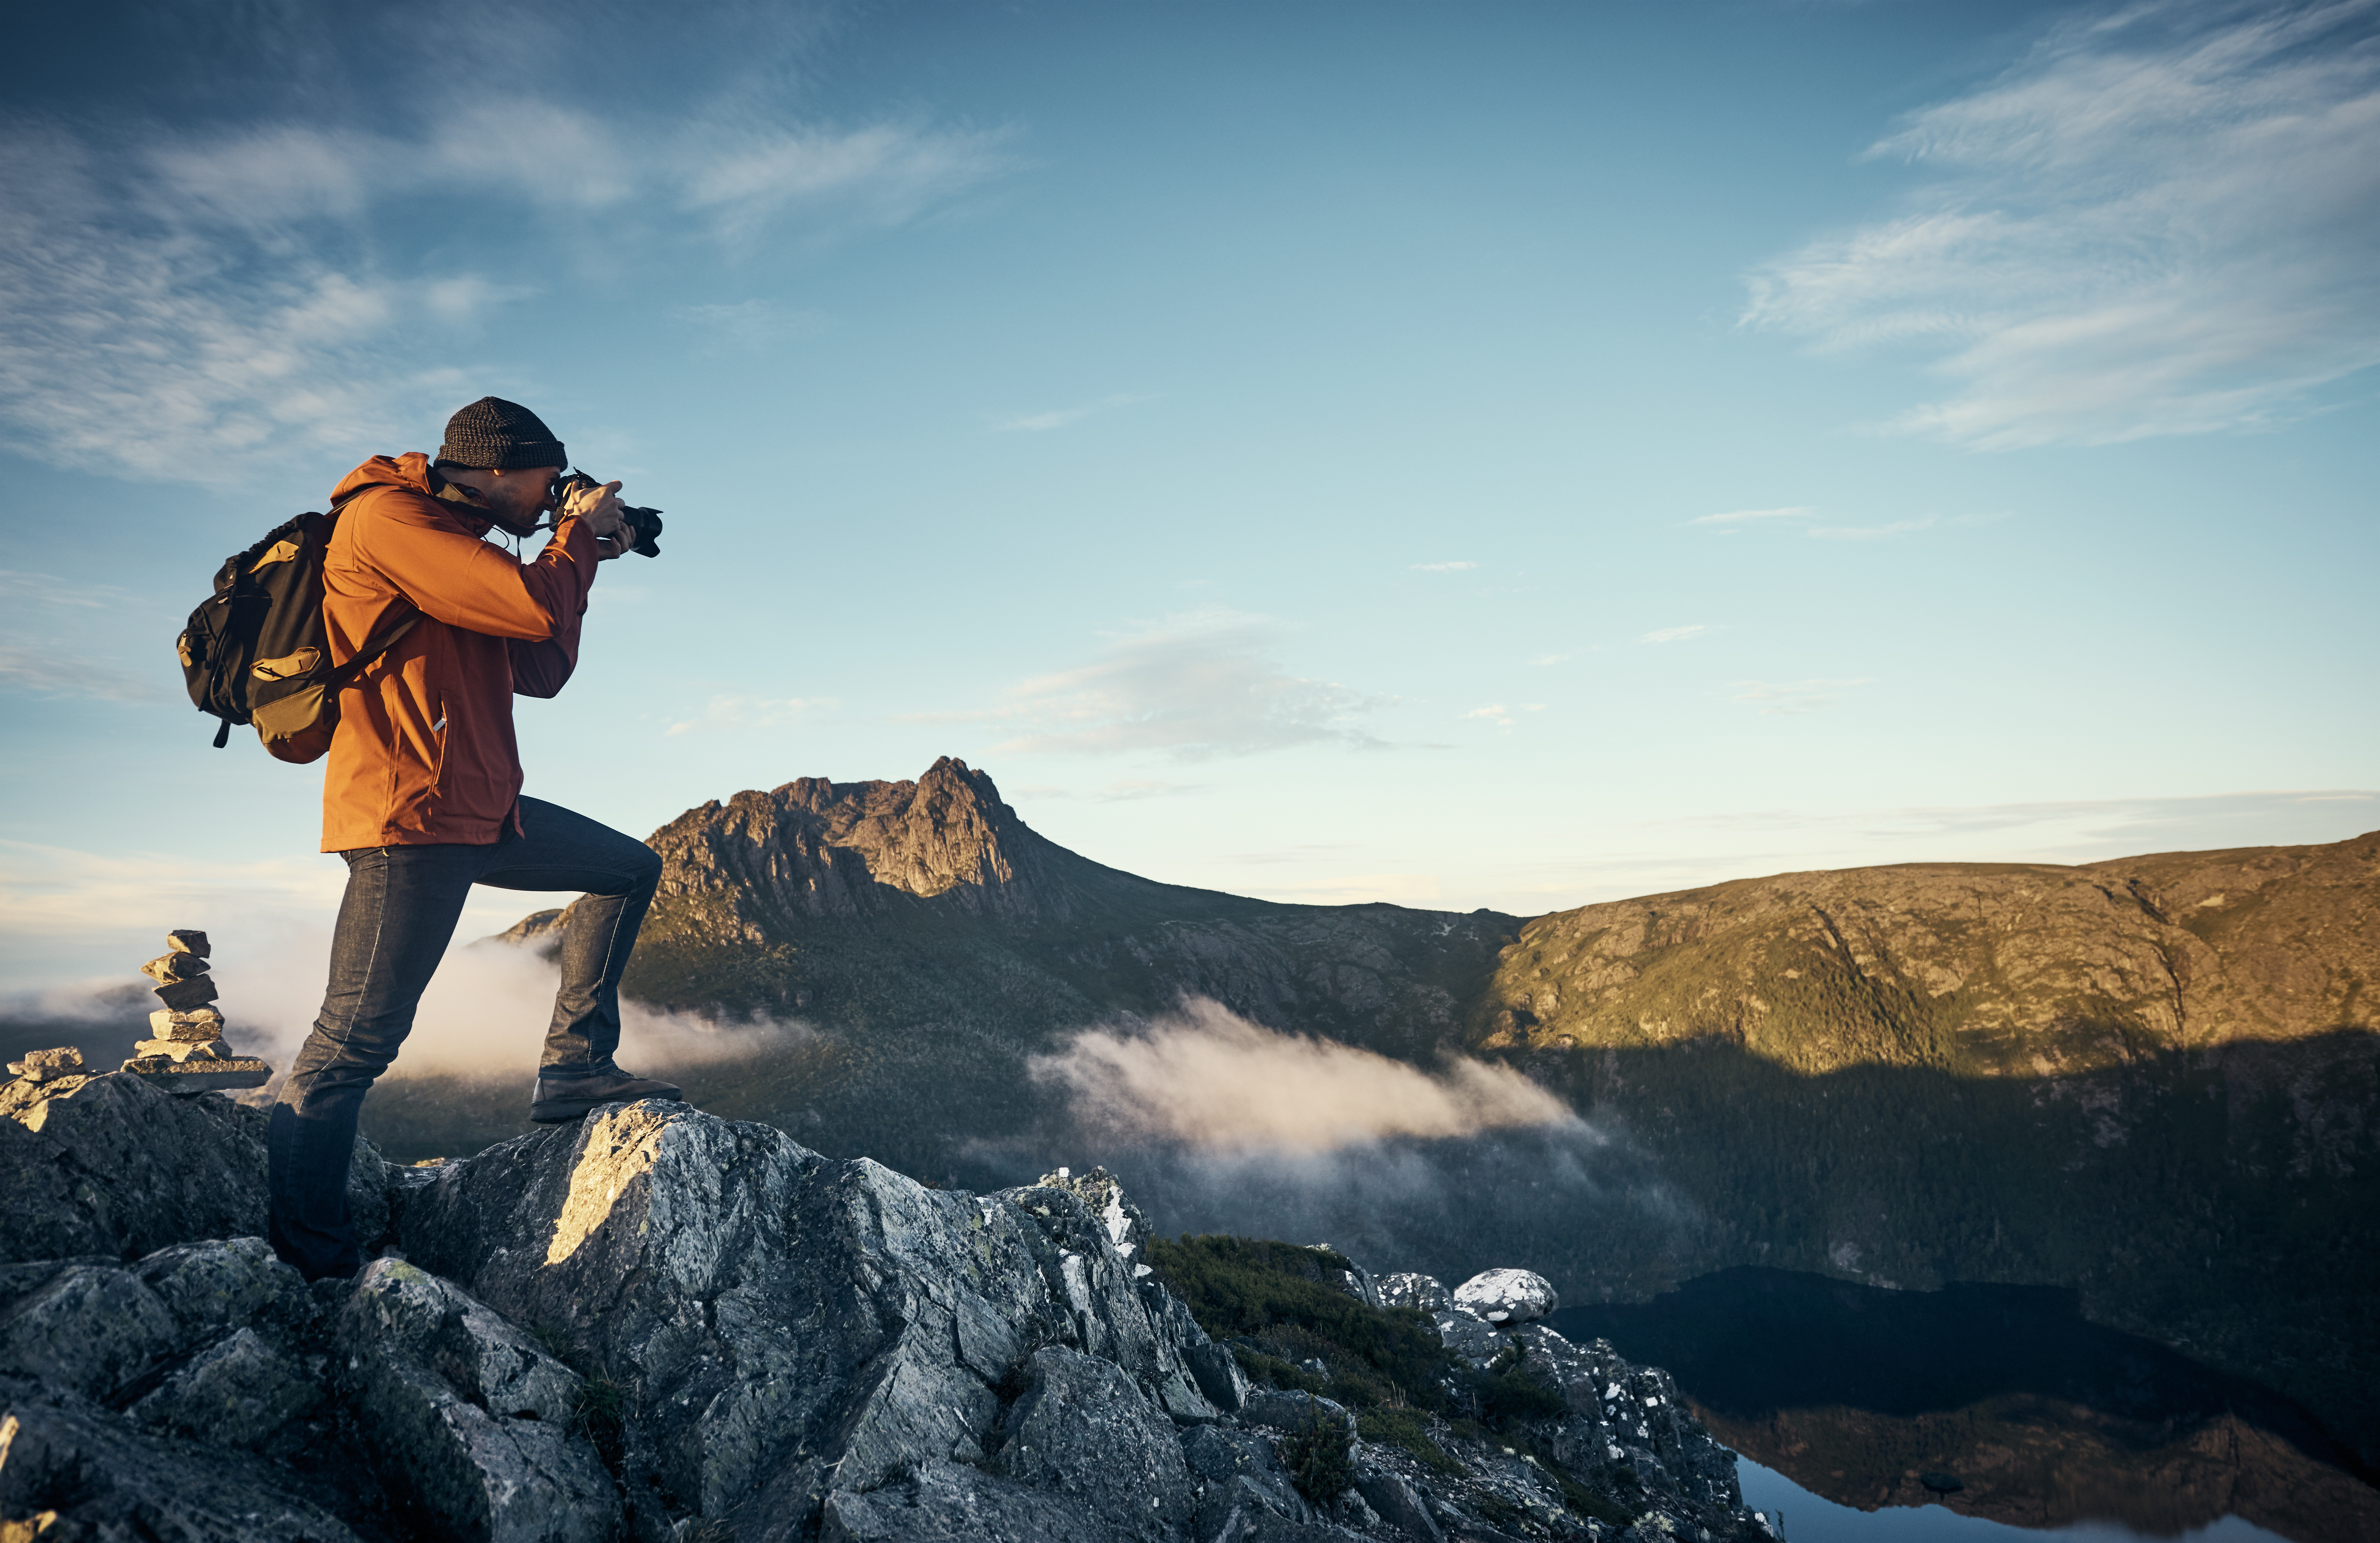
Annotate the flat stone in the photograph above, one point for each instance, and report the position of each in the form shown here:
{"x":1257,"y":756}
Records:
{"x":201,"y":1075}
{"x":183,"y":995}
{"x":199,"y":1023}
{"x":182,"y":1050}
{"x":188,"y":940}
{"x":46,"y":1065}
{"x":168,"y":967}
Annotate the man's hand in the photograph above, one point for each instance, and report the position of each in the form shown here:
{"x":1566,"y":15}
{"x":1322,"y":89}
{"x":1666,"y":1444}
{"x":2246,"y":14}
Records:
{"x":600,"y":508}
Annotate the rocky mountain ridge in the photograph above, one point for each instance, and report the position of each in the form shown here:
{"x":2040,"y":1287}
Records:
{"x":660,"y":1325}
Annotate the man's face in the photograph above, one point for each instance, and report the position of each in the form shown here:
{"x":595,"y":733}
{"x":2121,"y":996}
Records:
{"x":522,"y":494}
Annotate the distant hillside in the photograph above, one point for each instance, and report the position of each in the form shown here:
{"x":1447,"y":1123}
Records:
{"x":2154,"y":1080}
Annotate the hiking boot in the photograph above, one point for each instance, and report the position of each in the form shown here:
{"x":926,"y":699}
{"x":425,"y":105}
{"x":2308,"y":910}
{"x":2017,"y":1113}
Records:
{"x":561,"y":1100}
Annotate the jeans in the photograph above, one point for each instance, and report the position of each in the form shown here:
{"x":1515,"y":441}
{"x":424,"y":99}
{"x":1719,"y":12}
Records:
{"x":400,"y":911}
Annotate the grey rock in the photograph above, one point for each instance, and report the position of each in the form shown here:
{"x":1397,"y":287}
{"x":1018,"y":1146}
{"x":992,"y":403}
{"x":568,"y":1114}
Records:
{"x":946,"y":1502}
{"x":1507,"y":1296}
{"x":1288,"y":1411}
{"x":1082,"y":1428}
{"x":470,"y":1420}
{"x":1473,"y":1340}
{"x":1242,"y":1475}
{"x":113,"y":1481}
{"x":1103,"y":1196}
{"x":222,"y":1282}
{"x":240,"y":1392}
{"x":188,"y":940}
{"x":89,"y":1330}
{"x":1356,"y":1280}
{"x":1217,"y":1374}
{"x":111,"y":1165}
{"x":1397,"y":1504}
{"x":183,"y":995}
{"x":1423,"y":1293}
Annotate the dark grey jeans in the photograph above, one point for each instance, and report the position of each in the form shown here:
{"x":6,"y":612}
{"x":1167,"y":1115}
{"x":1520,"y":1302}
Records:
{"x":400,"y":914}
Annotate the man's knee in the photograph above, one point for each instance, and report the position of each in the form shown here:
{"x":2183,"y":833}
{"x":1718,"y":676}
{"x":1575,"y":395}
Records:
{"x":646,"y":867}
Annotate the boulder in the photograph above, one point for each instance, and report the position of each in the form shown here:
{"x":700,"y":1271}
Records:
{"x":468,"y":1418}
{"x":90,"y":1329}
{"x":1393,"y":1499}
{"x":111,"y":1165}
{"x":1217,"y":1374}
{"x":1507,"y":1296}
{"x":1083,"y":1429}
{"x":792,"y":1330}
{"x":1243,"y":1478}
{"x":111,"y":1480}
{"x":1422,"y":1293}
{"x":1290,"y":1411}
{"x":240,"y":1392}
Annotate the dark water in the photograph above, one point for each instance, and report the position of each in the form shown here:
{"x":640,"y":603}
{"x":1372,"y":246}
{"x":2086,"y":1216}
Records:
{"x":1845,"y":1400}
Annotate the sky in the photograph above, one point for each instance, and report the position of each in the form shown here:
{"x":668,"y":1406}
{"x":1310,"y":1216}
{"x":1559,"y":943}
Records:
{"x":1502,"y":454}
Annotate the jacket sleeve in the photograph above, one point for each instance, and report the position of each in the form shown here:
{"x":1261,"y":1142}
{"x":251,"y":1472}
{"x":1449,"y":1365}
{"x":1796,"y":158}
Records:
{"x":457,"y":579}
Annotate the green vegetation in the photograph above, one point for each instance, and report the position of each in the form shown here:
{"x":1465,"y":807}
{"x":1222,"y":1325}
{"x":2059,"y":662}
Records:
{"x":1277,"y":1307}
{"x":1320,"y":1456}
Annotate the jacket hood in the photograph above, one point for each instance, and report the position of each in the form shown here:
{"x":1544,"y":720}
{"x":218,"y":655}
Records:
{"x":412,"y":473}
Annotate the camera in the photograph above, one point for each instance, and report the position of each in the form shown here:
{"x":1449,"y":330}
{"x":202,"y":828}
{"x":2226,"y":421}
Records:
{"x":644,"y":524}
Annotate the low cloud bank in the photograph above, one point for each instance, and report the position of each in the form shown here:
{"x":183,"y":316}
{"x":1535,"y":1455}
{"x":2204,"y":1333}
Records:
{"x":484,"y":1015}
{"x":1208,"y":1079}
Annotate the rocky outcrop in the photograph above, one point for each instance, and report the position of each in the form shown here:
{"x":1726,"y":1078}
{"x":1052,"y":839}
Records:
{"x":660,"y":1325}
{"x":110,"y":1164}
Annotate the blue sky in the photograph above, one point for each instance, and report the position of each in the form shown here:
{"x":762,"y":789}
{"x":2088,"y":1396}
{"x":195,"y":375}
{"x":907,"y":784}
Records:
{"x":1485,"y":454}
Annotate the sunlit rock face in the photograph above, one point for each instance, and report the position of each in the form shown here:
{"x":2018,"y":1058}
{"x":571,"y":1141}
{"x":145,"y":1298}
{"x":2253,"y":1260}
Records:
{"x":796,"y":1327}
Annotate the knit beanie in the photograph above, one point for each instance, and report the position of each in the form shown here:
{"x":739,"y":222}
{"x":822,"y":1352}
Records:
{"x":492,"y":435}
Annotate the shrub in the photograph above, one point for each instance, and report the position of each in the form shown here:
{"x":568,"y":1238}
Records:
{"x":1320,"y":1454}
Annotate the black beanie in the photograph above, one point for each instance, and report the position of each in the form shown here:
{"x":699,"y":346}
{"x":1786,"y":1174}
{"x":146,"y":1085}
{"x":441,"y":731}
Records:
{"x":492,"y":435}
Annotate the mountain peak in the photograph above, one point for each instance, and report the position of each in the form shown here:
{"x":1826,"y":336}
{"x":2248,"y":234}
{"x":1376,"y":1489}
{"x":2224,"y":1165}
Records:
{"x":816,"y":847}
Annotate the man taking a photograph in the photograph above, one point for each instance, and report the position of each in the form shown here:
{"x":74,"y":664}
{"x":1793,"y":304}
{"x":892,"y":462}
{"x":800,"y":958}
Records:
{"x":423,"y":793}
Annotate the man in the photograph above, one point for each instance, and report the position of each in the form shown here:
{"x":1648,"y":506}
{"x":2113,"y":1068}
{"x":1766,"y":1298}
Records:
{"x":421,"y":796}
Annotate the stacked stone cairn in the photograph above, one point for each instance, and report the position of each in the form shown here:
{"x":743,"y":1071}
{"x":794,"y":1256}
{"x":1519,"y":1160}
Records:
{"x":185,"y":1052}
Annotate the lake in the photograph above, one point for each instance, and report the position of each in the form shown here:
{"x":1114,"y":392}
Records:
{"x":1979,"y":1412}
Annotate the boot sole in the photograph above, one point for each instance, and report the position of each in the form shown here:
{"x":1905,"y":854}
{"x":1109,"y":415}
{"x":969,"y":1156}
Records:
{"x":560,"y":1112}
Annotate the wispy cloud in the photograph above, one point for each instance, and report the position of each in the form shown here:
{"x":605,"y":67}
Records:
{"x":1443,"y":567}
{"x":1206,"y":1077}
{"x":1743,"y":517}
{"x":2162,"y":220}
{"x":752,"y":712}
{"x":44,"y":669}
{"x":1793,"y":696}
{"x":1040,"y":422}
{"x":231,"y":289}
{"x":1678,"y":634}
{"x":1198,"y":686}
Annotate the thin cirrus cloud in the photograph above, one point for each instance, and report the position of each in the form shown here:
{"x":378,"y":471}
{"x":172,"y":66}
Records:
{"x":229,"y":290}
{"x":1040,"y":422}
{"x":1678,"y":634}
{"x":1195,"y":686}
{"x":1745,"y":517}
{"x":1443,"y":567}
{"x":1786,"y":698}
{"x":2163,"y":220}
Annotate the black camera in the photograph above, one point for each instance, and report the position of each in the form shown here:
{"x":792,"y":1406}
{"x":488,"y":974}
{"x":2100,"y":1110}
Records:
{"x":645,"y":524}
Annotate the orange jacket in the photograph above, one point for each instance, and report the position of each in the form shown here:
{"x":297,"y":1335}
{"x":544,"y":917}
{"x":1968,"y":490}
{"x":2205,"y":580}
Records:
{"x":424,"y":752}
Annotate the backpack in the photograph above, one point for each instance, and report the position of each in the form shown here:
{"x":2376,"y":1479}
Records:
{"x":256,"y":651}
